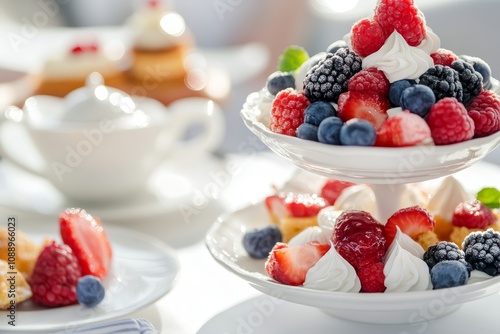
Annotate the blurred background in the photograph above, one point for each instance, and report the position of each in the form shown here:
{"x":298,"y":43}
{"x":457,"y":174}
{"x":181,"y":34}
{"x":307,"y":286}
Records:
{"x":241,"y":38}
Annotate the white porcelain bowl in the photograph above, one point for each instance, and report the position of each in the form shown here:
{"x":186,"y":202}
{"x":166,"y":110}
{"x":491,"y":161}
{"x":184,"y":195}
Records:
{"x":376,"y":165}
{"x":224,"y":241}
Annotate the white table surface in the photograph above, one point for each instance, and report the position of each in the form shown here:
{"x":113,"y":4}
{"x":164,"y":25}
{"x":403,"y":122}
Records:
{"x":206,"y":298}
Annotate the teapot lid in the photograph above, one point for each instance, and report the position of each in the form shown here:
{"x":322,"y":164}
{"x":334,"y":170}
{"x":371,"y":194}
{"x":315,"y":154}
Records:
{"x":95,"y":102}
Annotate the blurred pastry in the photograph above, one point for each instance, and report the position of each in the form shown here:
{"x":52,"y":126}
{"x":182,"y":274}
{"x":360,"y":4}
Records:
{"x":12,"y":282}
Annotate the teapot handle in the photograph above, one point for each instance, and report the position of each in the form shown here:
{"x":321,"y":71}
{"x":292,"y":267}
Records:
{"x":196,"y":111}
{"x":12,"y":143}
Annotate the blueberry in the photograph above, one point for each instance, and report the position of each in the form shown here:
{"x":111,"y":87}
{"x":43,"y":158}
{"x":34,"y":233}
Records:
{"x":358,"y":132}
{"x":481,"y":66}
{"x":258,"y":243}
{"x":89,"y":291}
{"x":396,"y":88}
{"x":332,"y":48}
{"x":418,"y":99}
{"x":329,"y":130}
{"x":278,"y":81}
{"x":318,"y":111}
{"x":450,"y":273}
{"x":307,"y":131}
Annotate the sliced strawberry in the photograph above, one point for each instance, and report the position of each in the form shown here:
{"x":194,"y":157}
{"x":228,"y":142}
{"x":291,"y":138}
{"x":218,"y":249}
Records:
{"x":332,"y":189}
{"x":289,"y":265}
{"x":294,"y":205}
{"x":403,"y":129}
{"x":412,"y":221}
{"x":369,"y":106}
{"x":87,"y":238}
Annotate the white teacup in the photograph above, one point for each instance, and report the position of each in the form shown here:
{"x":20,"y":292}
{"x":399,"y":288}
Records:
{"x":98,"y":144}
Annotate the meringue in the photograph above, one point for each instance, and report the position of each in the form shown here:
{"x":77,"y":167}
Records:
{"x":446,"y":197}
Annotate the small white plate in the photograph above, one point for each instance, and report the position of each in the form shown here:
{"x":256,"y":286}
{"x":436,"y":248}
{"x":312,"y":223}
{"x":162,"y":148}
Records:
{"x":170,"y":188}
{"x":224,"y":241}
{"x":376,"y":165}
{"x":143,"y":270}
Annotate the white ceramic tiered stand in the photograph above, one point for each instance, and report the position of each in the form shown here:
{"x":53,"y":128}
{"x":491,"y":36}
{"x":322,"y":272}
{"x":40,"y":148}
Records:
{"x":388,"y":170}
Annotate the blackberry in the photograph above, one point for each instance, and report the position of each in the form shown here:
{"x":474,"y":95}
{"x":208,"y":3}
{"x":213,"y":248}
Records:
{"x":329,"y":78}
{"x":482,"y":251}
{"x":481,"y":66}
{"x":472,"y":81}
{"x":444,"y":82}
{"x":444,"y":251}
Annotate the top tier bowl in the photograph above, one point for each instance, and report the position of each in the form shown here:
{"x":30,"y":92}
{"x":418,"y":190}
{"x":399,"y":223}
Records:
{"x":375,"y":165}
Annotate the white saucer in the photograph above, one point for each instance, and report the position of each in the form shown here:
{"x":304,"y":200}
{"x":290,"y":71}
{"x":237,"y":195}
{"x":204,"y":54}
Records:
{"x":143,"y":270}
{"x":174,"y":186}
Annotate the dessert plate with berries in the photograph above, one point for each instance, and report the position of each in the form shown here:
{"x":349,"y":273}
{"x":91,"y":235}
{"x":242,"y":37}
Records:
{"x":79,"y":273}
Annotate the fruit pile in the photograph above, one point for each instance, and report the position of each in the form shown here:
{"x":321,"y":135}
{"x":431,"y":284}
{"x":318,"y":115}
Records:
{"x":389,"y":85}
{"x":71,"y":272}
{"x":376,"y":254}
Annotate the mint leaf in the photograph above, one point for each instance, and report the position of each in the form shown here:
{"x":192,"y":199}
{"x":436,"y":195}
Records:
{"x":291,"y":59}
{"x":489,"y":197}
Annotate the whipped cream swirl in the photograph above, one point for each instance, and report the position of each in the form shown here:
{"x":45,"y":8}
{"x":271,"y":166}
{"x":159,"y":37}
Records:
{"x":357,"y":197}
{"x":431,"y":42}
{"x":332,"y":273}
{"x":313,"y":233}
{"x":398,"y":60}
{"x":403,"y":270}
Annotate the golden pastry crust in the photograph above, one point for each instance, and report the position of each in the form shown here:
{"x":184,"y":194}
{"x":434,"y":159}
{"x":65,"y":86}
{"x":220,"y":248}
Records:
{"x":13,"y":287}
{"x":291,"y":226}
{"x":427,"y":239}
{"x":160,"y":66}
{"x":459,"y":234}
{"x":443,"y":228}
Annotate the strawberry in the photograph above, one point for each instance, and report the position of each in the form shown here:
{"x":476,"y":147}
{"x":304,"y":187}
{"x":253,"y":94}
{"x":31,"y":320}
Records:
{"x":332,"y":189}
{"x":411,"y":220}
{"x":473,"y":214}
{"x":55,"y":276}
{"x":403,"y":129}
{"x":294,"y":205}
{"x":372,"y":277}
{"x":87,"y":238}
{"x":367,"y":36}
{"x":289,"y":265}
{"x":369,"y":106}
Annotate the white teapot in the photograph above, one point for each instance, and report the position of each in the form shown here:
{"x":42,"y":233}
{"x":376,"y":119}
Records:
{"x":99,"y":144}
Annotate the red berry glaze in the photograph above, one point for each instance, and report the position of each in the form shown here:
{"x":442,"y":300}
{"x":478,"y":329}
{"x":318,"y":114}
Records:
{"x":367,"y":36}
{"x":287,"y":111}
{"x":289,"y":265}
{"x":369,"y":106}
{"x":370,"y":80}
{"x":87,"y":238}
{"x":404,"y":17}
{"x":55,"y":276}
{"x":403,"y":129}
{"x":372,"y":277}
{"x":473,"y":214}
{"x":449,"y":122}
{"x":332,"y":189}
{"x":412,"y":221}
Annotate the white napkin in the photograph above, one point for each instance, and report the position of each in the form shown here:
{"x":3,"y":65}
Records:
{"x":128,"y":325}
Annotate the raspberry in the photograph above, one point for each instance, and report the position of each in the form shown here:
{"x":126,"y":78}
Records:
{"x":370,"y":79}
{"x":486,"y":121}
{"x":443,"y":57}
{"x":471,"y":80}
{"x":473,"y":214}
{"x":329,"y":78}
{"x":404,"y":16}
{"x":443,"y":81}
{"x":332,"y":189}
{"x":55,"y":276}
{"x":487,"y":99}
{"x":449,"y":122}
{"x":372,"y":277}
{"x":367,"y":36}
{"x":287,"y":112}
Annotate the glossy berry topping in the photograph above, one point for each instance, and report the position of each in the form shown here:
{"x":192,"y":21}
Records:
{"x":402,"y":16}
{"x":473,"y":214}
{"x":259,"y":242}
{"x":370,"y":79}
{"x":287,"y":111}
{"x":55,"y":276}
{"x":403,"y":129}
{"x":412,"y":221}
{"x":289,"y":265}
{"x":449,"y":122}
{"x":369,"y":106}
{"x":372,"y":277}
{"x":86,"y":236}
{"x":332,"y":189}
{"x":448,"y":274}
{"x":443,"y":57}
{"x":358,"y":132}
{"x":90,"y":291}
{"x":367,"y":36}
